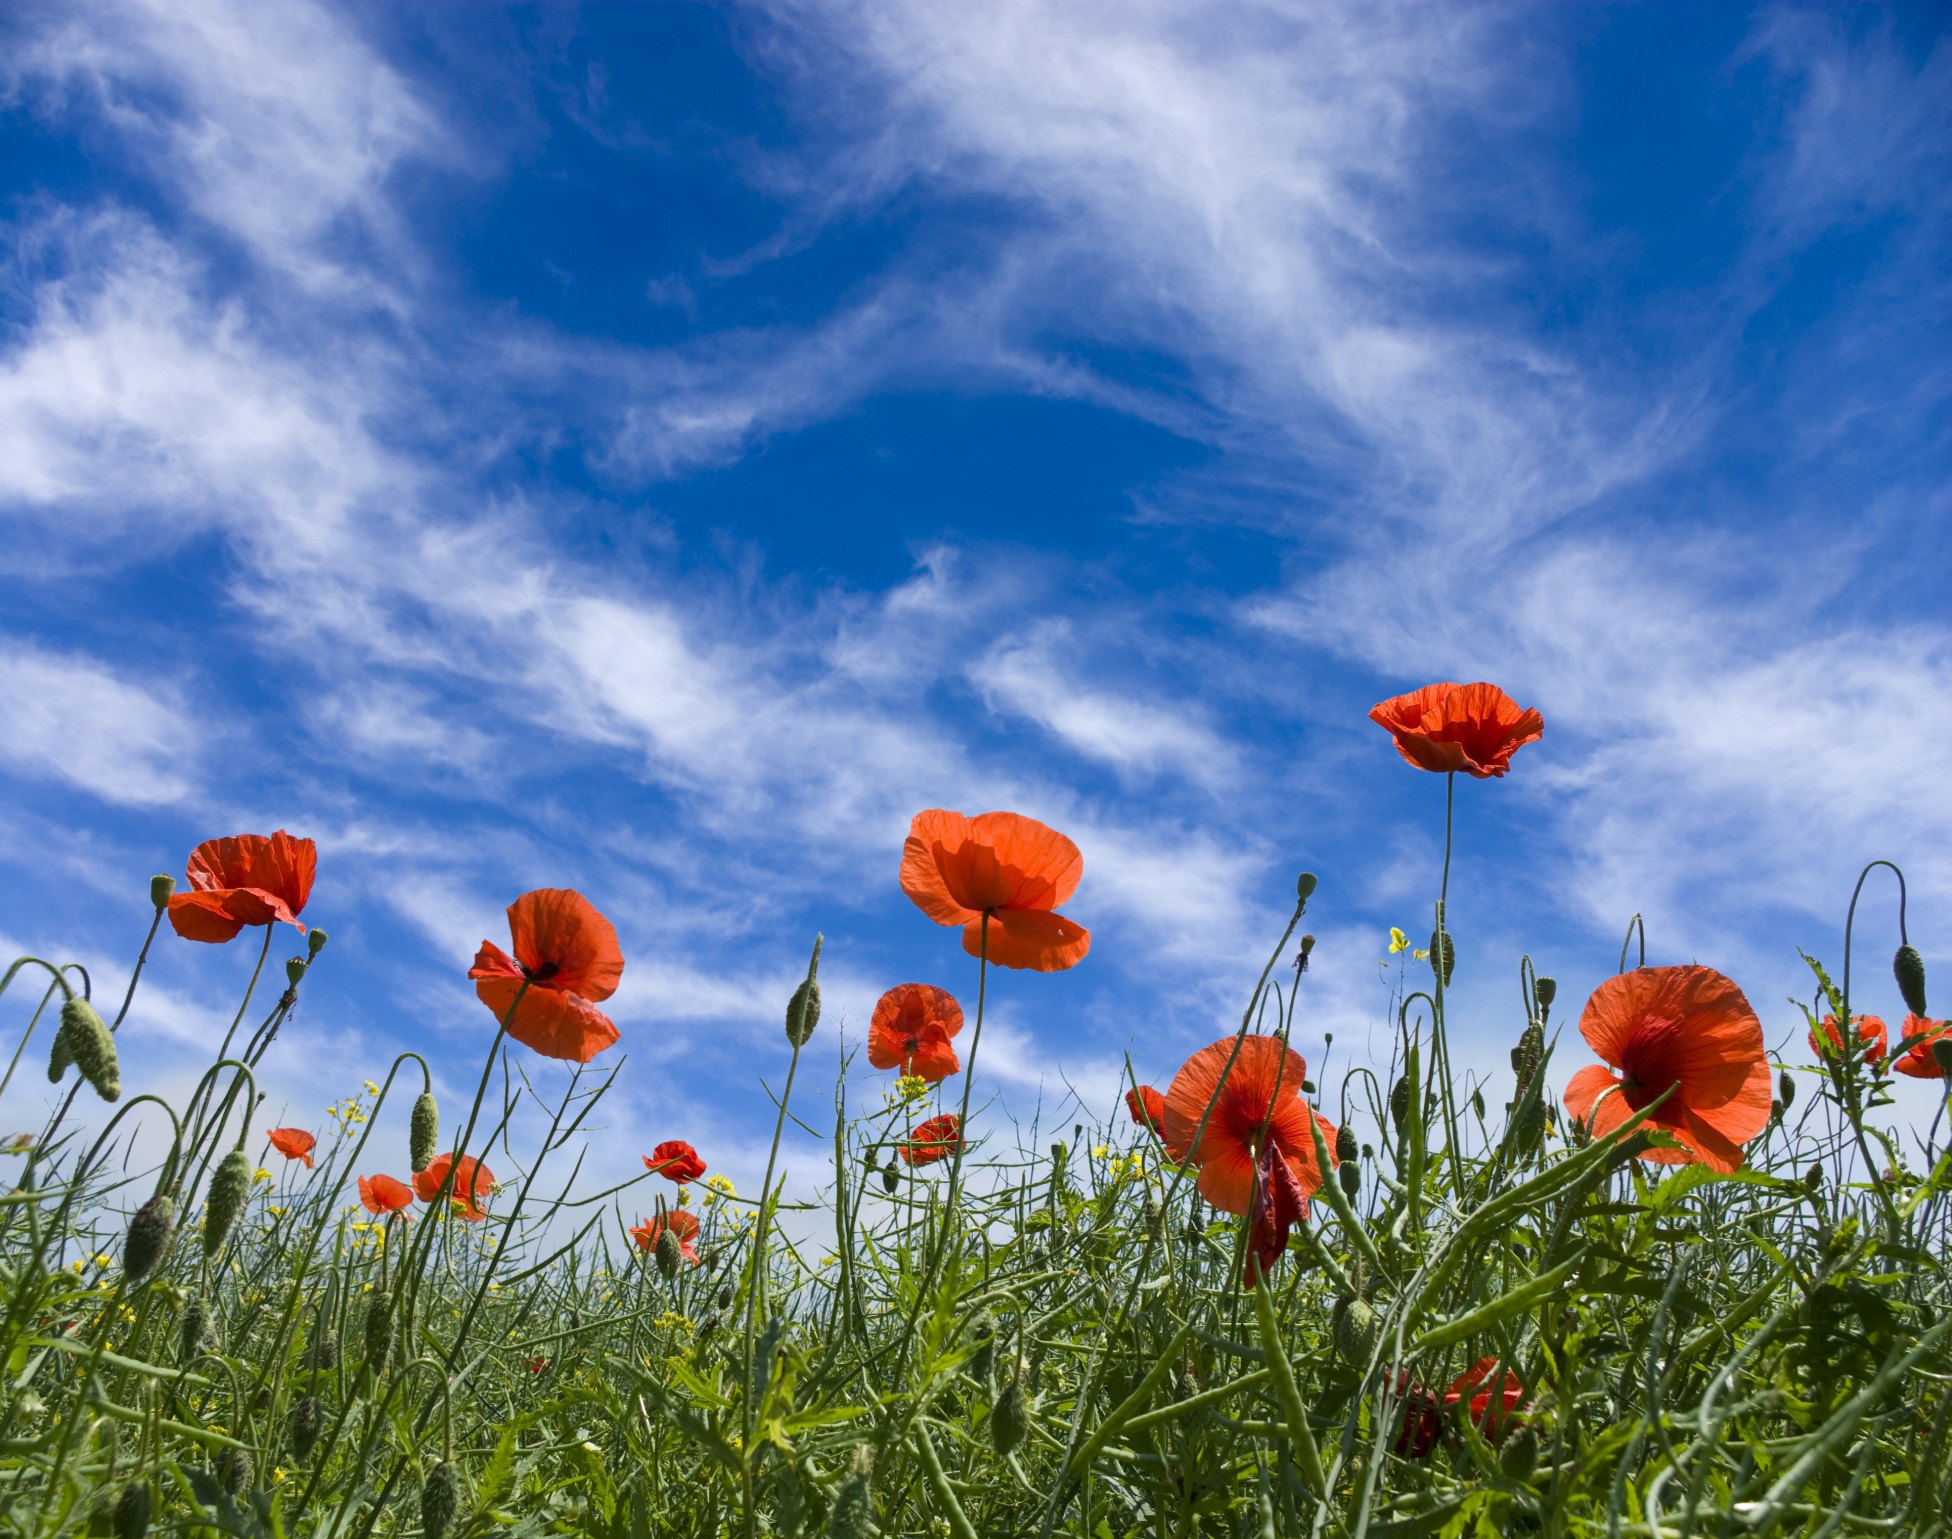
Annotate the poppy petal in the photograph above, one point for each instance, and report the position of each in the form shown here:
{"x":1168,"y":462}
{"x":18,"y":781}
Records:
{"x":1043,"y":865}
{"x":1585,"y":1088}
{"x":202,"y":916}
{"x":1032,"y":939}
{"x":934,"y":1060}
{"x":493,"y":962}
{"x":933,"y":872}
{"x":554,"y":1024}
{"x":562,"y":939}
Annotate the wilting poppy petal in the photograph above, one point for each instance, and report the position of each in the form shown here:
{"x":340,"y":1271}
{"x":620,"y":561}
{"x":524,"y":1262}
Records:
{"x":675,"y":1160}
{"x":1475,"y":728}
{"x":1918,"y":1060}
{"x":1873,"y":1038}
{"x":383,"y":1194}
{"x":956,"y":869}
{"x":293,"y":1144}
{"x":1422,"y":1417}
{"x":243,"y":879}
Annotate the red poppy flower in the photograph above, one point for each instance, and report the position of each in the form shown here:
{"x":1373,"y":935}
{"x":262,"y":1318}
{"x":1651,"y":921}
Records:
{"x":244,"y":879}
{"x":1475,"y":728}
{"x":1147,"y":1107}
{"x":472,"y":1182}
{"x":293,"y":1144}
{"x":910,"y":1031}
{"x":1873,"y":1038}
{"x":383,"y":1194}
{"x":1423,"y":1417}
{"x":1267,"y":1176}
{"x":675,"y":1160}
{"x":1685,"y":1027}
{"x":936,"y":1139}
{"x":568,"y":955}
{"x":1493,"y":1420}
{"x":683,"y":1225}
{"x":536,"y":1364}
{"x":1917,"y":1060}
{"x":1005,"y":865}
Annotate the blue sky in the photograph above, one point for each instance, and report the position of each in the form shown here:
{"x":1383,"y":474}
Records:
{"x":658,"y":449}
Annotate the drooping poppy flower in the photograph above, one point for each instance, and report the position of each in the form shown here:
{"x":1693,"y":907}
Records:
{"x":1006,"y":866}
{"x":383,"y":1194}
{"x":293,"y":1144}
{"x":1873,"y":1038}
{"x":473,"y":1181}
{"x":1918,"y":1060}
{"x":935,"y":1139}
{"x":684,"y":1225}
{"x":675,"y":1160}
{"x":1493,"y":1418}
{"x":1423,"y":1417}
{"x":910,"y":1030}
{"x":1267,"y":1175}
{"x":1685,"y":1027}
{"x":243,"y":879}
{"x":1475,"y":728}
{"x":567,"y":954}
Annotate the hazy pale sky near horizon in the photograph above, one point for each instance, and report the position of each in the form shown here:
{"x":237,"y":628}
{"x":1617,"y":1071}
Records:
{"x":658,"y":449}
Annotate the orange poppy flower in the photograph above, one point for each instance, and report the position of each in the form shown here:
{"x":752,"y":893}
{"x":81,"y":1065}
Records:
{"x":1475,"y":728}
{"x":1685,"y":1027}
{"x":1147,"y":1108}
{"x":293,"y":1144}
{"x":1267,"y":1176}
{"x":568,"y":955}
{"x":1873,"y":1038}
{"x":683,"y":1225}
{"x":675,"y":1160}
{"x":383,"y":1194}
{"x":1005,"y":865}
{"x":910,"y":1030}
{"x":1493,"y":1420}
{"x":472,"y":1182}
{"x":1918,"y":1060}
{"x":936,"y":1139}
{"x":1422,"y":1417}
{"x":243,"y":879}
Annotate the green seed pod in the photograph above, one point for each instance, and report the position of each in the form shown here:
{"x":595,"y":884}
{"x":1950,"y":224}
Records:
{"x":193,"y":1332}
{"x":1349,"y":1173}
{"x":803,"y":1009}
{"x":1307,"y":951}
{"x":725,"y":1297}
{"x":294,"y":970}
{"x":440,"y":1500}
{"x":984,"y":1357}
{"x":890,"y":1180}
{"x":151,"y":1228}
{"x":1399,"y":1102}
{"x":1354,"y":1327}
{"x":307,"y":1422}
{"x":1527,"y":1123}
{"x":1909,"y":968}
{"x":1813,"y":1177}
{"x":130,"y":1520}
{"x":234,"y":1469}
{"x":326,"y":1349}
{"x":670,"y":1252}
{"x":852,"y":1516}
{"x":1346,"y":1147}
{"x":1520,"y":1455}
{"x":1305,"y":886}
{"x":379,"y":1330}
{"x":1443,"y":955}
{"x":1787,"y":1092}
{"x":1010,"y":1416}
{"x":1544,"y":991}
{"x":424,"y":1134}
{"x":1530,"y":1053}
{"x":1477,"y":1103}
{"x":230,"y":1184}
{"x":160,"y":888}
{"x":314,"y":943}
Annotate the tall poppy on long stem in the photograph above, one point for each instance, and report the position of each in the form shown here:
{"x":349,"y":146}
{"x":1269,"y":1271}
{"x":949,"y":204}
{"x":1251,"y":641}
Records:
{"x":1685,"y":1029}
{"x":1475,"y":728}
{"x":1256,"y":1154}
{"x":1002,"y":866}
{"x":245,"y":879}
{"x":293,"y":1144}
{"x":910,"y":1030}
{"x":566,"y":956}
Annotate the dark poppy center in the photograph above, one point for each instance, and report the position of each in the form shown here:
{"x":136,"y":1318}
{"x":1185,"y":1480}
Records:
{"x":911,"y":1043}
{"x":543,"y":973}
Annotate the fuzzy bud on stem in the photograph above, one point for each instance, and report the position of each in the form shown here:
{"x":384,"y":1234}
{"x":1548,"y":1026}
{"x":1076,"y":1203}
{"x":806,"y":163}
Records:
{"x":1909,"y":968}
{"x":151,"y":1228}
{"x":230,"y":1184}
{"x":424,"y":1132}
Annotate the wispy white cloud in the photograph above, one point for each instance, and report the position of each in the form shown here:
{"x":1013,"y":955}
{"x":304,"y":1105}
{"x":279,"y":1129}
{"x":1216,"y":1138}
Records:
{"x":71,"y":718}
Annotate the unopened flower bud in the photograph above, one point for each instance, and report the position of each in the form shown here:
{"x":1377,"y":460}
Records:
{"x":440,"y":1500}
{"x":1909,"y":968}
{"x":670,"y":1251}
{"x":803,"y":1009}
{"x":852,"y":1516}
{"x":725,"y":1297}
{"x":234,"y":1469}
{"x":1009,"y":1416}
{"x":314,"y":943}
{"x":1399,"y":1102}
{"x":130,"y":1520}
{"x":1305,"y":886}
{"x":1354,"y":1326}
{"x":1942,"y":1054}
{"x":160,"y":887}
{"x":1787,"y":1090}
{"x":193,"y":1329}
{"x":1349,"y":1173}
{"x":307,"y":1422}
{"x":1520,"y":1455}
{"x":90,"y":1047}
{"x":151,"y":1228}
{"x":1307,"y":950}
{"x":379,"y":1330}
{"x":230,"y":1184}
{"x":424,"y":1131}
{"x":1443,"y":955}
{"x":1346,"y":1147}
{"x":1813,"y":1177}
{"x":326,"y":1349}
{"x":890,"y":1180}
{"x":1544,"y":991}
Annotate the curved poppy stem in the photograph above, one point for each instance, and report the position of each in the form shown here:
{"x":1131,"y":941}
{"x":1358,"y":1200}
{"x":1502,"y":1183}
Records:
{"x":1633,"y":924}
{"x":1850,"y":918}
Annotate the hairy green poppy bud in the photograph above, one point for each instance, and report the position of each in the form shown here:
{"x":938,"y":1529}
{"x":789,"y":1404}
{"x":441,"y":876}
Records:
{"x":230,"y":1184}
{"x":1354,"y":1326}
{"x":379,"y":1330}
{"x":151,"y":1227}
{"x":1443,"y":955}
{"x":725,"y":1297}
{"x":1813,"y":1177}
{"x":440,"y":1499}
{"x":1527,"y":1123}
{"x":193,"y":1332}
{"x":1346,"y":1147}
{"x":1909,"y":968}
{"x":1305,"y":886}
{"x":670,"y":1252}
{"x":84,"y":1040}
{"x":1349,"y":1173}
{"x":852,"y":1516}
{"x":1530,"y":1053}
{"x":314,"y":943}
{"x":234,"y":1470}
{"x":1009,"y":1416}
{"x":1520,"y":1455}
{"x":307,"y":1422}
{"x":130,"y":1519}
{"x":160,"y":888}
{"x":424,"y":1132}
{"x":1477,"y":1102}
{"x":1399,"y":1102}
{"x":325,"y":1348}
{"x":1788,"y":1090}
{"x":803,"y":1009}
{"x":982,"y":1359}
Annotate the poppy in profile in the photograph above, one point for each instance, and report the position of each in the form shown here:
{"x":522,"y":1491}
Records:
{"x":1688,"y":1028}
{"x":675,"y":1160}
{"x":472,"y":1182}
{"x":244,"y":879}
{"x":293,"y":1144}
{"x":1147,"y":1108}
{"x":682,"y":1224}
{"x":567,"y":954}
{"x":1005,"y":866}
{"x":383,"y":1194}
{"x":1873,"y":1038}
{"x":1422,"y":1417}
{"x":936,"y":1139}
{"x":1475,"y":728}
{"x":1493,"y":1415}
{"x":910,"y":1030}
{"x":1267,"y":1175}
{"x":1919,"y":1060}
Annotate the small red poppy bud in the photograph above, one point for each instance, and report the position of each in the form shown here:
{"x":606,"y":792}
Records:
{"x":160,"y":887}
